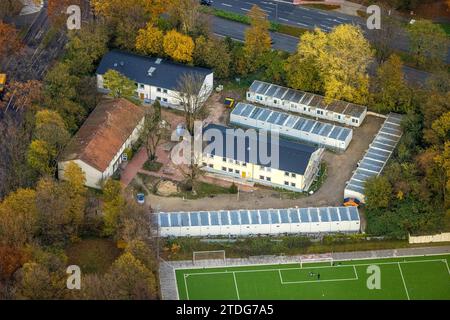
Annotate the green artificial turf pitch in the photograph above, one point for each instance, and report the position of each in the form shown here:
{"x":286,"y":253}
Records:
{"x":422,"y":277}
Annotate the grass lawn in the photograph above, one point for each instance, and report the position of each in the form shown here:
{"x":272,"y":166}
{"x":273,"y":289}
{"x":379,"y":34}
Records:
{"x":93,"y":255}
{"x":445,"y":27}
{"x":152,"y":165}
{"x":411,"y":278}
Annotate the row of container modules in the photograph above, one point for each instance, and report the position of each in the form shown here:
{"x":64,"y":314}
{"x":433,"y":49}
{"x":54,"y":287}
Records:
{"x":252,"y":222}
{"x":376,"y":157}
{"x":291,"y":126}
{"x":306,"y":103}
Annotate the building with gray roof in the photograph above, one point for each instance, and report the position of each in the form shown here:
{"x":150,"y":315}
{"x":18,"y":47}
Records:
{"x":258,"y":222}
{"x":376,"y":157}
{"x":264,"y":159}
{"x":291,"y":126}
{"x":310,"y":104}
{"x":155,"y":78}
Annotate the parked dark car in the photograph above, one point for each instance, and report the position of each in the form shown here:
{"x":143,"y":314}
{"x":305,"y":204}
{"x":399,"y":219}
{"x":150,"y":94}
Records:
{"x":206,"y":2}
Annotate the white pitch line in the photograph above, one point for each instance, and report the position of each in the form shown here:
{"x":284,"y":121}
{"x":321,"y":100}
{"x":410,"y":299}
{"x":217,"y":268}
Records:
{"x":283,"y":19}
{"x":302,"y":24}
{"x":317,"y":267}
{"x":281,"y":278}
{"x":356,"y":273}
{"x":310,"y":281}
{"x":185,"y":285}
{"x":236,"y":286}
{"x":243,"y":9}
{"x":226,"y":5}
{"x":403,"y":279}
{"x":446,"y":263}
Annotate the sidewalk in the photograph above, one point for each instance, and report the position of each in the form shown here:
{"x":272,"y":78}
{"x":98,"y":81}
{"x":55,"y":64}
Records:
{"x":132,"y":168}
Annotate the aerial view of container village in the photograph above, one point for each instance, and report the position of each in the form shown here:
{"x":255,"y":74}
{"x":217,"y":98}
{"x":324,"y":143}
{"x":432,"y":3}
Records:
{"x":224,"y":150}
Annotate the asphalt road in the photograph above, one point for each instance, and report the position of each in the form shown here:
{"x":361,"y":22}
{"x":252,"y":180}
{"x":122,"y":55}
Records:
{"x":285,"y":12}
{"x":38,"y":56}
{"x":236,"y":31}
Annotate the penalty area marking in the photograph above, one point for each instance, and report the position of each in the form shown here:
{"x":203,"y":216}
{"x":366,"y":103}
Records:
{"x":403,"y":279}
{"x":312,"y":281}
{"x":446,"y":263}
{"x":186,"y":286}
{"x":316,"y":267}
{"x":236,"y":286}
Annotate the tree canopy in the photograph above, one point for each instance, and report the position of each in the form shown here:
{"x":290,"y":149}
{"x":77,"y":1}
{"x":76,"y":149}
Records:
{"x":335,"y":64}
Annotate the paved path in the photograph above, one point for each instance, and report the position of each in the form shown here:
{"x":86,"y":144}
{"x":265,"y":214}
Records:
{"x":133,"y":167}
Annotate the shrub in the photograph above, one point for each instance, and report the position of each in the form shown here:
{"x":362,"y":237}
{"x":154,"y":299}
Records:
{"x":152,"y":165}
{"x":233,"y":188}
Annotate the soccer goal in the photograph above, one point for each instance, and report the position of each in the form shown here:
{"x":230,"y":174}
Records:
{"x":326,"y":260}
{"x":198,"y":256}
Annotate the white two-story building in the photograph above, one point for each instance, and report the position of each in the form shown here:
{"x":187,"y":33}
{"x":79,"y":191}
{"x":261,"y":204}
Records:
{"x":155,"y":78}
{"x":293,"y":165}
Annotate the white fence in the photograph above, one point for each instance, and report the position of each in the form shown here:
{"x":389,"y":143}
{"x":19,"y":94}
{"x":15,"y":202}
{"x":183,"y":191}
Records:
{"x":441,"y":237}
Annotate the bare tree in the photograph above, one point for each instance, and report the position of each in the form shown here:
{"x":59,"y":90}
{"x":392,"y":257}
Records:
{"x":383,"y":39}
{"x":188,"y":16}
{"x":192,"y":95}
{"x":191,"y":174}
{"x":154,"y":130}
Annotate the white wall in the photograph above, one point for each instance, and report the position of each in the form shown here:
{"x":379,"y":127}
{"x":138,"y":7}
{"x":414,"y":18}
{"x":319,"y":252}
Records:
{"x":294,"y":133}
{"x":252,"y":172}
{"x":305,"y":109}
{"x":92,"y":175}
{"x":261,"y":229}
{"x":441,"y":237}
{"x":165,"y":96}
{"x":95,"y":177}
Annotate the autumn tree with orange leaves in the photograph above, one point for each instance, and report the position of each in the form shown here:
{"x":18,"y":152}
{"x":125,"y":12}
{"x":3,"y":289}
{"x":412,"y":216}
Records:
{"x":10,"y":42}
{"x":26,"y":95}
{"x":57,"y":10}
{"x":126,"y":17}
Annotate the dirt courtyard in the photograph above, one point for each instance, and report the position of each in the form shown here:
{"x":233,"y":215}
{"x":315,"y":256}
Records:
{"x":340,"y":169}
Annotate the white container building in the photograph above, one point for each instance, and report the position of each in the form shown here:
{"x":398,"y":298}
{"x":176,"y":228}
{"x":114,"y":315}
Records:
{"x":376,"y":157}
{"x":310,"y":104}
{"x":291,"y":126}
{"x":258,"y":222}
